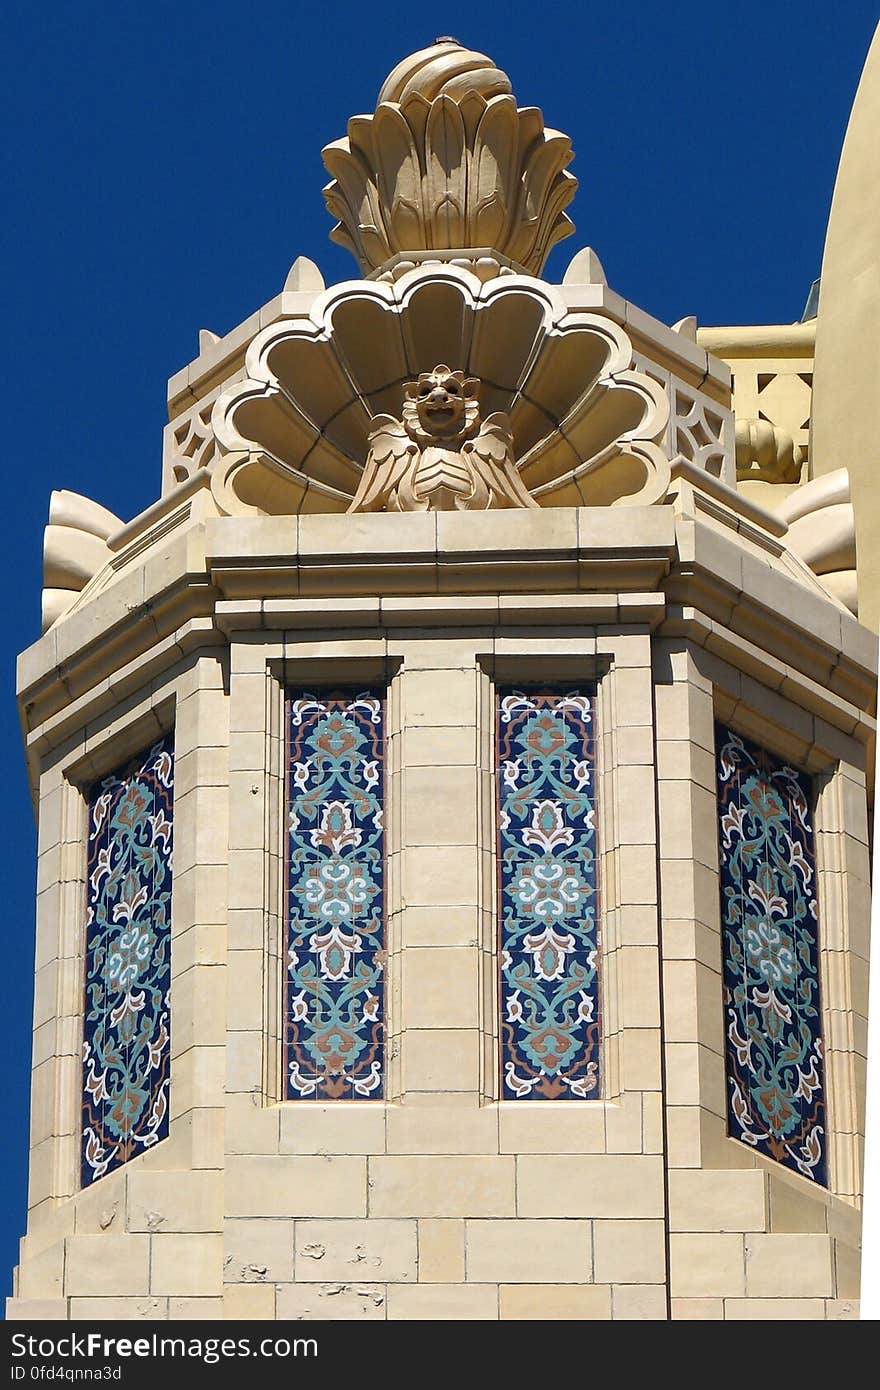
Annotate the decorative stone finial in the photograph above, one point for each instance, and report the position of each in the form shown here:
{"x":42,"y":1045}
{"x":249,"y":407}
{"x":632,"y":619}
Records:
{"x":449,"y":163}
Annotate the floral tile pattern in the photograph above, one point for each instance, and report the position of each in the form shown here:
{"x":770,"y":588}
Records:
{"x":769,"y":924}
{"x":548,"y":895}
{"x":127,"y":1032}
{"x":335,"y":896}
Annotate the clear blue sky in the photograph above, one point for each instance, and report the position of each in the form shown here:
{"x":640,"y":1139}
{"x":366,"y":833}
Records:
{"x":162,"y":171}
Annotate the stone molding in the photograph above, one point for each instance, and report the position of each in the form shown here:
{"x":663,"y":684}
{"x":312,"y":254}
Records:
{"x":743,"y":582}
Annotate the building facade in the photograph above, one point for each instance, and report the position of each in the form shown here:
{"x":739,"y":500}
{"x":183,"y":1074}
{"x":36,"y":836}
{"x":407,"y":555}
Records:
{"x":453,"y":895}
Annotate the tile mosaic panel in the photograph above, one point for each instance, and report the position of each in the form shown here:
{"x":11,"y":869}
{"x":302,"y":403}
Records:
{"x":335,"y":896}
{"x":769,"y":927}
{"x":548,"y":895}
{"x":127,"y":1029}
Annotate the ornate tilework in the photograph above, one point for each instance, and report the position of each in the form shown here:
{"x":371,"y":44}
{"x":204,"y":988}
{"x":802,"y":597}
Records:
{"x":548,"y":895}
{"x":127,"y":1033}
{"x":336,"y":899}
{"x":769,"y":924}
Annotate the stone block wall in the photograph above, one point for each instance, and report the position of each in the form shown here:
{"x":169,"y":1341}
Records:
{"x":442,"y":1201}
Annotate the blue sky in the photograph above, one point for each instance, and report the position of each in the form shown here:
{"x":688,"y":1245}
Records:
{"x":162,"y":170}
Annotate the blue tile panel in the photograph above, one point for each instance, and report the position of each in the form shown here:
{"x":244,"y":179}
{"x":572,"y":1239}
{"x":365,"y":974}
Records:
{"x":335,"y":1029}
{"x":127,"y":1029}
{"x":769,"y":928}
{"x":548,"y":895}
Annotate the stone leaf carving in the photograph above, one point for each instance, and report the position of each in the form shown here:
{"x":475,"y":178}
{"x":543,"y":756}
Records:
{"x":766,"y":452}
{"x":74,"y":550}
{"x":822,"y":531}
{"x":586,"y":425}
{"x":440,"y":456}
{"x":448,"y":161}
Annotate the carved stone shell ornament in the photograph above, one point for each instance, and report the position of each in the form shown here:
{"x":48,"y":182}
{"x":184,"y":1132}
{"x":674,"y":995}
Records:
{"x":447,"y":196}
{"x":586,"y":425}
{"x":448,"y":161}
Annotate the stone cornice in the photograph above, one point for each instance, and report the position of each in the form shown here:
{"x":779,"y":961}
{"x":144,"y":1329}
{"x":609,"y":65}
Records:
{"x":125,"y":620}
{"x":448,"y":611}
{"x":707,"y":488}
{"x":760,"y":340}
{"x":598,"y":549}
{"x":595,"y":567}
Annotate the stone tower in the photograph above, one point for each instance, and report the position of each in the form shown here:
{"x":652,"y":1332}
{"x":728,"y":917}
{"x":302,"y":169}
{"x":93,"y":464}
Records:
{"x":453,"y":872}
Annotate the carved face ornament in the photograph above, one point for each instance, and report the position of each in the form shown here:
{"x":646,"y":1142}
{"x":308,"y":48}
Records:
{"x":441,"y":405}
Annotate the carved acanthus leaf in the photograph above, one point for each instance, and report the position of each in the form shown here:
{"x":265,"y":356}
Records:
{"x":766,"y":452}
{"x":74,"y":550}
{"x":822,"y":531}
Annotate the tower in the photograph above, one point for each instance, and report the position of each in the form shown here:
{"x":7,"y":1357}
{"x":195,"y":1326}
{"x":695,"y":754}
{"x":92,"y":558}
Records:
{"x":453,"y":894}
